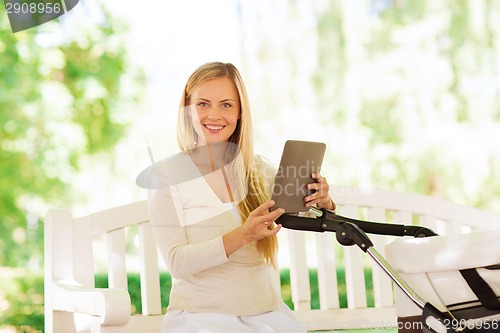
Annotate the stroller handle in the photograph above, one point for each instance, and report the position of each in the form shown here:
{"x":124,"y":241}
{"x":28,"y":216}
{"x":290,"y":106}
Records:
{"x":347,"y":233}
{"x":326,"y":221}
{"x":379,"y":228}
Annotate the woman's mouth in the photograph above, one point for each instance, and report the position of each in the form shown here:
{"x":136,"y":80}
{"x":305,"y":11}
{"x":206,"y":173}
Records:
{"x":214,"y":128}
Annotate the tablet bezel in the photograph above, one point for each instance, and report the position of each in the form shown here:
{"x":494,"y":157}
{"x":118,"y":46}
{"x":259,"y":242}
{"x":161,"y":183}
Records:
{"x":298,"y":161}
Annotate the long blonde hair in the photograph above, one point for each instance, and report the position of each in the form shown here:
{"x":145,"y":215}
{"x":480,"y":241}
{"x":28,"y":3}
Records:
{"x":241,"y":138}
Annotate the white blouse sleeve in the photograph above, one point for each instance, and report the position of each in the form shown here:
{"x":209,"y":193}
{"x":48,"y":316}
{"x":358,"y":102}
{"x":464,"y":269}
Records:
{"x":166,"y":216}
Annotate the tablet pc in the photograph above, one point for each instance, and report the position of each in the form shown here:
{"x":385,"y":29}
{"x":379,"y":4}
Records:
{"x":298,"y":161}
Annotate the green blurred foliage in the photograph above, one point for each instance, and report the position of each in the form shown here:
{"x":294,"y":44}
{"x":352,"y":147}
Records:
{"x":412,"y":86}
{"x":61,"y":98}
{"x":134,"y":289}
{"x":23,"y":292}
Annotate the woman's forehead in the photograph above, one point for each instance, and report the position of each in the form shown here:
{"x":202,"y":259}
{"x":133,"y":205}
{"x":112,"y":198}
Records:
{"x":216,"y":89}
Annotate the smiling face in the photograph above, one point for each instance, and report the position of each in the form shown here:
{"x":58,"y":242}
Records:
{"x":215,"y":110}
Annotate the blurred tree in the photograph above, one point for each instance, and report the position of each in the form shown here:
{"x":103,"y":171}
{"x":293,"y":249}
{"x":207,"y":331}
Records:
{"x":62,"y":95}
{"x":412,"y":87}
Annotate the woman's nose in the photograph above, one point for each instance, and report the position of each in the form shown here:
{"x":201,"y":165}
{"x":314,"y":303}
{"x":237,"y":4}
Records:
{"x":214,"y":113}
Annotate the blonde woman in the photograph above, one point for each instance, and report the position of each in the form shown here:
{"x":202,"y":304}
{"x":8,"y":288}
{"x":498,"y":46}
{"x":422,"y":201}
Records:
{"x":210,"y":212}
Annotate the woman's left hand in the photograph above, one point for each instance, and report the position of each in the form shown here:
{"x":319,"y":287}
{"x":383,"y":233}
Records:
{"x":321,"y":196}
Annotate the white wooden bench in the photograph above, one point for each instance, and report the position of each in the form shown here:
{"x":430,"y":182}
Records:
{"x":73,"y":304}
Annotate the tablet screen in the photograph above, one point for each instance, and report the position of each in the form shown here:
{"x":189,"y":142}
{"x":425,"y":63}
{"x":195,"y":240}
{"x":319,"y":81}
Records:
{"x":298,"y":161}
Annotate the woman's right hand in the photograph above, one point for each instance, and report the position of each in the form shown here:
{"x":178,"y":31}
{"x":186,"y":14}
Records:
{"x":254,"y":228}
{"x":257,"y":224}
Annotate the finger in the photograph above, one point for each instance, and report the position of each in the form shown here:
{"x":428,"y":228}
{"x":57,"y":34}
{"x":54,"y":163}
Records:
{"x":321,"y":185}
{"x":276,"y":213}
{"x":262,"y":208}
{"x":312,"y":202}
{"x":318,"y":177}
{"x":321,"y":191}
{"x":311,"y":195}
{"x":317,"y":198}
{"x":314,"y":186}
{"x":322,"y":201}
{"x":273,"y":231}
{"x":271,"y":216}
{"x":320,"y":182}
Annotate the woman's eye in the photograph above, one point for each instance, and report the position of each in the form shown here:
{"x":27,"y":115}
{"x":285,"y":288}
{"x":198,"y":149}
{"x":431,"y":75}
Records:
{"x":226,"y":105}
{"x":202,"y":104}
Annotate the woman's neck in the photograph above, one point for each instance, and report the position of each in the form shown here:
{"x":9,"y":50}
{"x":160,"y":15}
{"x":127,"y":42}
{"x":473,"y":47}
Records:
{"x":210,"y":155}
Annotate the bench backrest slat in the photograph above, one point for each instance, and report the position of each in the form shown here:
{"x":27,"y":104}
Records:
{"x":327,"y":271}
{"x":117,"y":268}
{"x":299,"y":272}
{"x":150,"y":283}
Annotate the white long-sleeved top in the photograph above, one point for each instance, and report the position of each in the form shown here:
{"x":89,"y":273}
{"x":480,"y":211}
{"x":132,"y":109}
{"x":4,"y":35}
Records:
{"x":189,"y":221}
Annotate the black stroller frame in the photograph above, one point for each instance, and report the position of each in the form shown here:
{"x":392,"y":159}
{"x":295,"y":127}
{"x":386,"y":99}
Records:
{"x":354,"y":232}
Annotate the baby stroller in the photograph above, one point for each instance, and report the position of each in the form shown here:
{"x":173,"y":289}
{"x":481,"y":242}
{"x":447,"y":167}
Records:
{"x":468,"y":298}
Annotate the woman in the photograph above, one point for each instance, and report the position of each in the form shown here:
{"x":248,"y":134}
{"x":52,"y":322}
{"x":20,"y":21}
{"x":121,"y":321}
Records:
{"x":211,"y":218}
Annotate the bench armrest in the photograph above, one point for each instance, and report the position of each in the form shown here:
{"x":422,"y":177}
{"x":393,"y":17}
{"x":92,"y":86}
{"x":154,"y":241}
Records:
{"x":111,"y":305}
